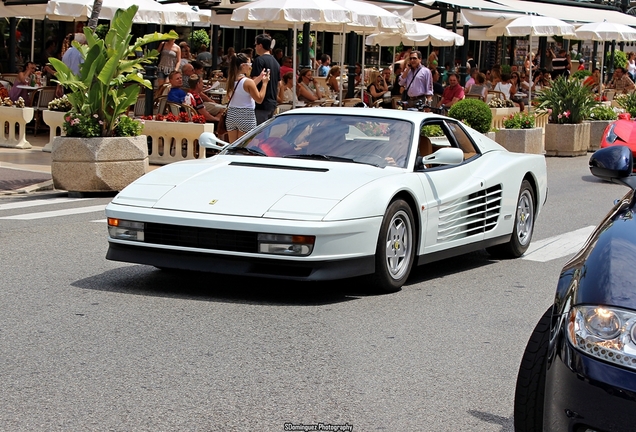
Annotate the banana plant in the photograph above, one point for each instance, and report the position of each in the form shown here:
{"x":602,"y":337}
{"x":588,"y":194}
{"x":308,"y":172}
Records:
{"x":110,"y":77}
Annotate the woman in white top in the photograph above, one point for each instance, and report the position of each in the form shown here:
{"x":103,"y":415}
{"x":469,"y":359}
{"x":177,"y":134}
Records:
{"x":504,"y":86}
{"x":631,"y":65}
{"x":244,"y":95}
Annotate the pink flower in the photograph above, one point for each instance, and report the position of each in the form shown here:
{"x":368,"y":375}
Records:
{"x":567,"y":114}
{"x":549,"y":111}
{"x":560,"y":116}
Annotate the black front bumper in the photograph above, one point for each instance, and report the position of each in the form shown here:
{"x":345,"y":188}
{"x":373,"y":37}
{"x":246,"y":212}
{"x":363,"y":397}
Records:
{"x":583,"y":393}
{"x":246,"y":266}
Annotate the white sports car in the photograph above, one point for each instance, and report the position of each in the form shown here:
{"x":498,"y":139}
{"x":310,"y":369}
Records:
{"x":330,"y":193}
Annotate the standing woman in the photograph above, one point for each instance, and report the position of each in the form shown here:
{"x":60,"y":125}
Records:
{"x":631,"y":65}
{"x":169,"y":60}
{"x":243,"y":95}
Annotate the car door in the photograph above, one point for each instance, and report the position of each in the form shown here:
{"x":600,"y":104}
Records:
{"x":454,"y":196}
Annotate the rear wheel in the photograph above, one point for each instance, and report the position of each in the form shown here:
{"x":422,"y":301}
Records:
{"x":523,"y":228}
{"x":530,"y":388}
{"x":396,"y":247}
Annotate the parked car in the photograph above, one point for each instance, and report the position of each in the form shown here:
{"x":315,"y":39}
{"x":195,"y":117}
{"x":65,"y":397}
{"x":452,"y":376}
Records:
{"x":330,"y":193}
{"x":578,"y":372}
{"x":620,"y":133}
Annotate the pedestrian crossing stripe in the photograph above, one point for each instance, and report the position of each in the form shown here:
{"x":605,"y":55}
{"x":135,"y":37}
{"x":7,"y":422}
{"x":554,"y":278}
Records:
{"x":56,"y":213}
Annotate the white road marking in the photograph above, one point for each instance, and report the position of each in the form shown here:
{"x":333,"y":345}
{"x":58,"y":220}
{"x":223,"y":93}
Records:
{"x":33,"y":203}
{"x":54,"y":213}
{"x":100,"y":220}
{"x":558,"y":246}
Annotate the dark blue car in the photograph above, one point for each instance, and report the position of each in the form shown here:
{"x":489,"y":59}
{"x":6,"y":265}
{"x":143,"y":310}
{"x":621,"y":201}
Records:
{"x":578,"y":372}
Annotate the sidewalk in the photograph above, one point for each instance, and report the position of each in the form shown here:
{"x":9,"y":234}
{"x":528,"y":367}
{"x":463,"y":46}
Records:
{"x":24,"y":171}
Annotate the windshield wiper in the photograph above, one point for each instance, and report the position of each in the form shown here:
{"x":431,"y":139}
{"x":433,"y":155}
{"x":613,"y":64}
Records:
{"x":246,"y":150}
{"x":329,"y":158}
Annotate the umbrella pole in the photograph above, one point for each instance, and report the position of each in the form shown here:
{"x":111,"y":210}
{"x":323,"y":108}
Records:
{"x":364,"y":49}
{"x":32,"y":38}
{"x":295,"y":55}
{"x":530,"y":74}
{"x":342,"y":56}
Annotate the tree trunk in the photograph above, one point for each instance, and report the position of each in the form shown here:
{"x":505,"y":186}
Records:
{"x":97,"y":9}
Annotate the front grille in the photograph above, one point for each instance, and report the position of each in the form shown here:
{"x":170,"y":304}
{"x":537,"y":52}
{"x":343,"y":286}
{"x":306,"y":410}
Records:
{"x":201,"y":238}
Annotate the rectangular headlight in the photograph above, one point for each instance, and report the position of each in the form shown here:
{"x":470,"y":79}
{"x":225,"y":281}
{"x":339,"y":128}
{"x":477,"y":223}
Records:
{"x":125,"y":230}
{"x":280,"y":244}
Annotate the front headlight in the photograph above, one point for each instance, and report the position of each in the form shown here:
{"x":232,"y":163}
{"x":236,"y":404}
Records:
{"x":605,"y":333}
{"x":125,"y":229}
{"x":291,"y":245}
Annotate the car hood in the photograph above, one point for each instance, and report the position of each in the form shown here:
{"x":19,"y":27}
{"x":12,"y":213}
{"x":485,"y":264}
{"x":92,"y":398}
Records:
{"x":251,"y":186}
{"x":625,"y":130}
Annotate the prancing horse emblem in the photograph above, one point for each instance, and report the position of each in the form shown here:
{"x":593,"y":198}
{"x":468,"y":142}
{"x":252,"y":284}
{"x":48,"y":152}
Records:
{"x":213,"y":202}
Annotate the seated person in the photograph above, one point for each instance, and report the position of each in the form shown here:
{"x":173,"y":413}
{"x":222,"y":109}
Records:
{"x":285,"y":89}
{"x":397,"y":90}
{"x":332,"y":79}
{"x":504,"y":86}
{"x":438,"y":88}
{"x":378,"y":87}
{"x":621,"y":82}
{"x":453,"y":91}
{"x":23,"y":78}
{"x":193,"y":98}
{"x":479,"y":88}
{"x":176,"y":93}
{"x":186,"y":70}
{"x":307,"y":91}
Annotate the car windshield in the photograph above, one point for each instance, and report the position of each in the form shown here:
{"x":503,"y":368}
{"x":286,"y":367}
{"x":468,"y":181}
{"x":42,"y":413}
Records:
{"x":328,"y":137}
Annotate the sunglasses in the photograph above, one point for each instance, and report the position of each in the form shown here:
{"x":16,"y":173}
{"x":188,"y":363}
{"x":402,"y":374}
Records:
{"x":413,"y":58}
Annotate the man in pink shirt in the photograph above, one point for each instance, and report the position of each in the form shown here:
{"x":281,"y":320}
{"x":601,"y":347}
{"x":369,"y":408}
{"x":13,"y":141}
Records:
{"x":453,"y":91}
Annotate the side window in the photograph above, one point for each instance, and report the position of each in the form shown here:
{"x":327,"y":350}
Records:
{"x":462,"y":139}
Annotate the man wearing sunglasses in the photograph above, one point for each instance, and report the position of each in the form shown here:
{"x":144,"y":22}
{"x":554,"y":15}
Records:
{"x":417,"y":80}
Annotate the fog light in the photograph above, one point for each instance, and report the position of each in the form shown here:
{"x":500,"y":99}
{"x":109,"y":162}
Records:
{"x":293,"y":245}
{"x":125,"y":230}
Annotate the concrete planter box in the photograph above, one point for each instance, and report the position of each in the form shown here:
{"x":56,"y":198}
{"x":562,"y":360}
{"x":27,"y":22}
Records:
{"x":521,"y":140}
{"x":10,"y":119}
{"x":597,"y":128}
{"x":500,"y":114}
{"x":567,"y":139}
{"x":55,"y":121}
{"x":98,"y":164}
{"x":174,"y":141}
{"x":490,"y":135}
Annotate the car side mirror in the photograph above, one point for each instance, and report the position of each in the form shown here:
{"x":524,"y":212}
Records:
{"x":209,"y":140}
{"x":615,"y":164}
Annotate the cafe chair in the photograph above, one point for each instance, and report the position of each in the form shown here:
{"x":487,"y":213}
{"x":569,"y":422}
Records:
{"x":41,"y":98}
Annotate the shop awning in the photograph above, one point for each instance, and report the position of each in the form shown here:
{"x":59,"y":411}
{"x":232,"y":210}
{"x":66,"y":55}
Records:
{"x":572,"y":14}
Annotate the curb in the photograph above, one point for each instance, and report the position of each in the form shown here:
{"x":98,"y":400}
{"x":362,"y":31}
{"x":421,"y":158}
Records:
{"x":44,"y":186}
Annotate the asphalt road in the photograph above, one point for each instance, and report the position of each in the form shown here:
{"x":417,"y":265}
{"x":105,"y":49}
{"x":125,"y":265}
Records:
{"x":89,"y":344}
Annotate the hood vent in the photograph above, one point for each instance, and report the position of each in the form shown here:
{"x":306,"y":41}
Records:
{"x":283,"y":167}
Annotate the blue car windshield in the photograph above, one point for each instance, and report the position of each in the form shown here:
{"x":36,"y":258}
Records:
{"x":339,"y":138}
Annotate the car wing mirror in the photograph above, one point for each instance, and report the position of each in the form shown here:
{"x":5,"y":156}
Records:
{"x":445,"y":156}
{"x":614,"y":164}
{"x":209,"y":140}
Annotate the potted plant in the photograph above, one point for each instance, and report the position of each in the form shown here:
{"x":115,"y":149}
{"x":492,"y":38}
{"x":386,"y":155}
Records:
{"x":472,"y":112}
{"x":600,"y":118}
{"x":567,"y":103}
{"x":14,"y":114}
{"x":501,"y":109}
{"x":520,"y":134}
{"x":103,"y":149}
{"x":54,"y":119}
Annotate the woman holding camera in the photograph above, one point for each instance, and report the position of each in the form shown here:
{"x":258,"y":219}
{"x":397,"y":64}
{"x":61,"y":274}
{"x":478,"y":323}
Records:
{"x":243,"y":95}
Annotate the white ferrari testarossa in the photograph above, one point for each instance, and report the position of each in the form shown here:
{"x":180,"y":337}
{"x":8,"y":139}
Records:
{"x":330,"y":193}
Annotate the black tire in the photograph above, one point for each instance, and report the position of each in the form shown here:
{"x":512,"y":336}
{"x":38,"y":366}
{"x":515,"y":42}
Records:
{"x":395,"y":251}
{"x":523,"y":228}
{"x":530,"y":388}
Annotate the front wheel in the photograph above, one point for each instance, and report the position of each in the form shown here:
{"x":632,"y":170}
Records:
{"x":530,"y":388}
{"x":396,"y":247}
{"x":523,"y":228}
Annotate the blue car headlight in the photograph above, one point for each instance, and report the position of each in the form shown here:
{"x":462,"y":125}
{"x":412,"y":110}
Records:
{"x":605,"y":333}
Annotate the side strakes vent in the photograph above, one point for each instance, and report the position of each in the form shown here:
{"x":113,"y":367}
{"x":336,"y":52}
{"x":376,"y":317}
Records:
{"x":470,"y":215}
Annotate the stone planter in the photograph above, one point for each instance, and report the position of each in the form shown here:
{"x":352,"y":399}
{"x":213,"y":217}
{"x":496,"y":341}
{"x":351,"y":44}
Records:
{"x":521,"y":140}
{"x":597,"y":128}
{"x":55,"y":121}
{"x":499,"y":115}
{"x":174,"y":141}
{"x":12,"y":118}
{"x":97,"y":164}
{"x":491,"y":135}
{"x":567,"y":139}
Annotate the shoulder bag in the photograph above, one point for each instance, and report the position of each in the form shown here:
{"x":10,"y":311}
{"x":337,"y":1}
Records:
{"x":405,"y":93}
{"x":221,"y":128}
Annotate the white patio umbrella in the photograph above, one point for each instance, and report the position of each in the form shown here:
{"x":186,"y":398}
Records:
{"x":421,"y":33}
{"x":530,"y":25}
{"x":149,"y":11}
{"x":605,"y":31}
{"x":321,"y":14}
